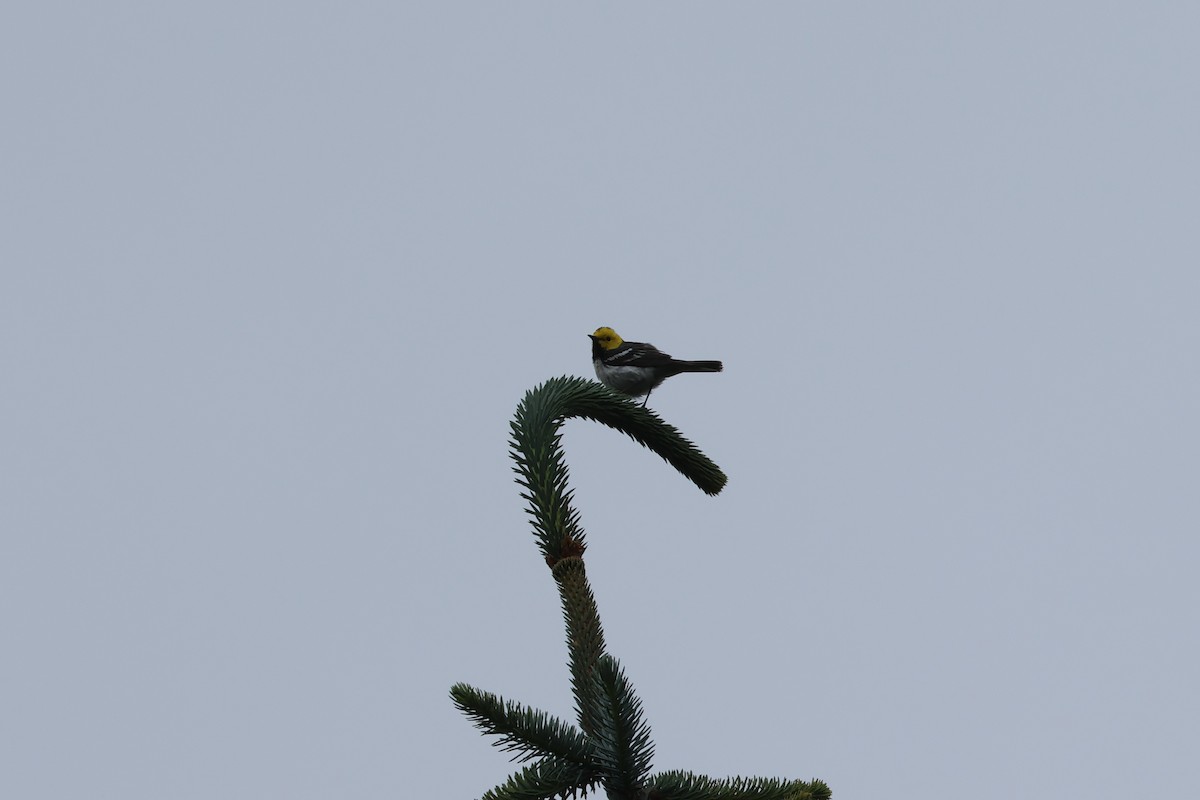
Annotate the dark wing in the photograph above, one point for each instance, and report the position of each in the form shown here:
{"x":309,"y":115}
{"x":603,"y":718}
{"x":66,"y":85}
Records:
{"x":637,"y":354}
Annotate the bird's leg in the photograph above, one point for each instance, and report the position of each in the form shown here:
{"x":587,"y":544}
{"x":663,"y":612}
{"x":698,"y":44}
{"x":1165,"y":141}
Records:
{"x":646,"y":399}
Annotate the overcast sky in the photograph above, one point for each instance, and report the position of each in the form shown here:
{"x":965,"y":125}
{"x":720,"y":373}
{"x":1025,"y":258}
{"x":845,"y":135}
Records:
{"x":274,"y":276}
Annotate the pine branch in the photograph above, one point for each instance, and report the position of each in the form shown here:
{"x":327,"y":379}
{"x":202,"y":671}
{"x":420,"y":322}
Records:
{"x":612,"y":746}
{"x":544,"y":780}
{"x":527,"y":732}
{"x":585,"y":636}
{"x":536,"y":447}
{"x":676,"y":785}
{"x":621,"y":742}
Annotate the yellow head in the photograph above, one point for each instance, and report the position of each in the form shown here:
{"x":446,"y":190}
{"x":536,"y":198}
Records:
{"x":607,"y":338}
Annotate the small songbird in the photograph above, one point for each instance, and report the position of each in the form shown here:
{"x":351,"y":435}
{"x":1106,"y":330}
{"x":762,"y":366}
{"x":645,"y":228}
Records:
{"x":636,"y":368}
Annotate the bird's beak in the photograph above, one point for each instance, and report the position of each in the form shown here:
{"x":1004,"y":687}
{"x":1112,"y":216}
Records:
{"x":593,"y":338}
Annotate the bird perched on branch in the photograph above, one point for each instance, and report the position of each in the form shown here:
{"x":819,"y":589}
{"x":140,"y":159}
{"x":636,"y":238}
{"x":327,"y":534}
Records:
{"x":637,"y":368}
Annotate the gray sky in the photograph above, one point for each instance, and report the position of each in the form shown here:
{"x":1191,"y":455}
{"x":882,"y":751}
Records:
{"x":275,"y":276}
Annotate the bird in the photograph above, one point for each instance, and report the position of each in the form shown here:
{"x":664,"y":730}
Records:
{"x":637,"y":368}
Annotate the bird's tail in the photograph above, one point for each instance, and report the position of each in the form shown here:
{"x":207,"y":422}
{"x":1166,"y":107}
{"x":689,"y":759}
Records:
{"x":698,"y":366}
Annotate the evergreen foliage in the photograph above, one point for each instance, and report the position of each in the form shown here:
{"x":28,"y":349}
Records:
{"x":611,"y":748}
{"x":536,"y":447}
{"x":585,"y":637}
